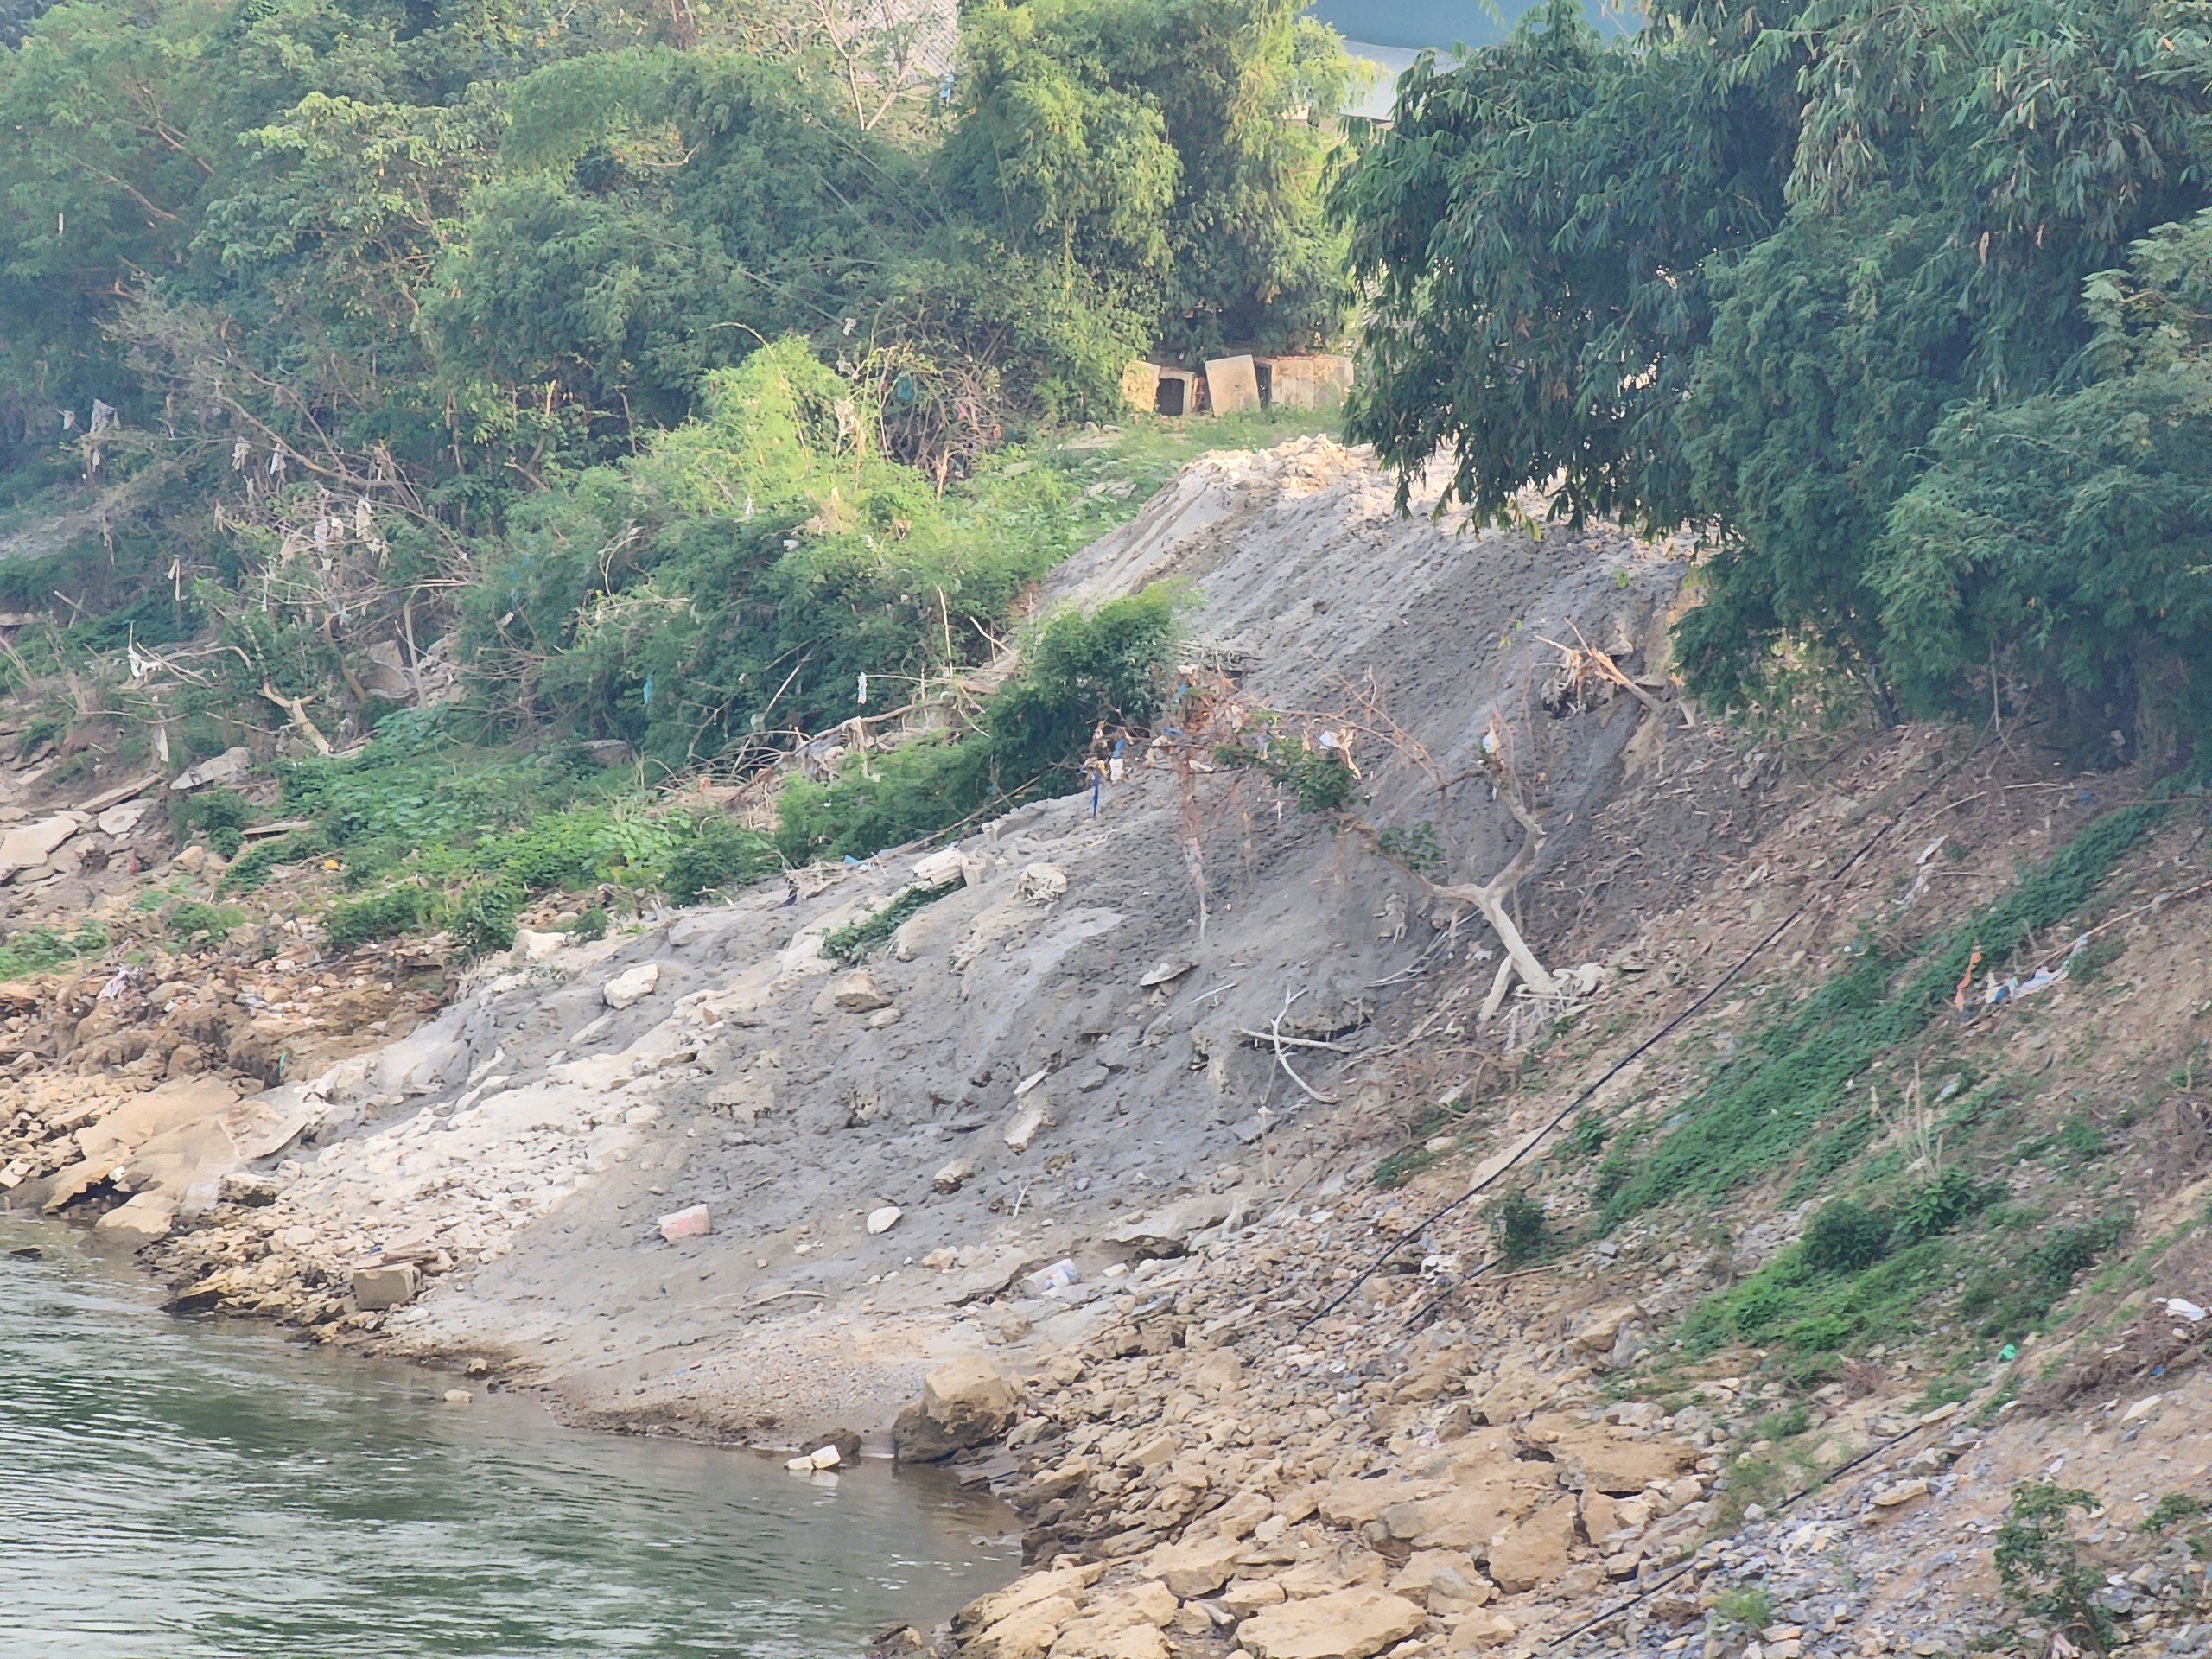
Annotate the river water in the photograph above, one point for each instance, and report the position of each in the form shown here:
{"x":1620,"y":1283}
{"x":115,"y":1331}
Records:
{"x":172,"y":1488}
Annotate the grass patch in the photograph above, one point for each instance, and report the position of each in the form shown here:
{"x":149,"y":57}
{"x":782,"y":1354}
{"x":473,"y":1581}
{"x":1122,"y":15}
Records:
{"x":250,"y":871}
{"x":865,"y":935}
{"x":1761,"y":1108}
{"x":41,"y":949}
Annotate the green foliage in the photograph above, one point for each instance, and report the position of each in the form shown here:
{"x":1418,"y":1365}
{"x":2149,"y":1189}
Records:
{"x":1079,"y":674}
{"x":217,"y":816}
{"x":1845,"y":1237}
{"x":1762,"y":1106}
{"x":1317,"y":776}
{"x":1418,"y":848}
{"x":350,"y":924}
{"x":1743,"y":1608}
{"x":738,"y":577}
{"x":40,"y":950}
{"x":2008,"y":1300}
{"x":2040,"y":1566}
{"x":196,"y":924}
{"x":715,"y":853}
{"x":1520,"y":1229}
{"x":1847,"y":284}
{"x":469,"y":300}
{"x":864,"y":934}
{"x":1123,"y":135}
{"x":2169,"y":1511}
{"x":250,"y":872}
{"x":482,"y":918}
{"x":1939,"y":1205}
{"x":1793,"y":1305}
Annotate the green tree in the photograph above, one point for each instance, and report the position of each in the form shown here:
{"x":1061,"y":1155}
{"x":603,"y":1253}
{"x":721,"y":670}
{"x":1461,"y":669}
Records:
{"x":1756,"y":269}
{"x":1170,"y":150}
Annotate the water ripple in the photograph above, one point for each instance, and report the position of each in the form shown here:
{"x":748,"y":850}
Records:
{"x":173,"y":1489}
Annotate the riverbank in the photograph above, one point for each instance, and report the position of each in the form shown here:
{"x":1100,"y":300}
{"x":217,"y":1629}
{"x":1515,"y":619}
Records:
{"x":1312,"y":1288}
{"x":185,"y":1487}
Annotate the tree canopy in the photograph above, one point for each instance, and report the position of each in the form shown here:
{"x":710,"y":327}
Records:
{"x":1821,"y":279}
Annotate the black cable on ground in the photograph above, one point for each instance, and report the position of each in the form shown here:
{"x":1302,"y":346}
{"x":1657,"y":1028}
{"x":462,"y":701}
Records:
{"x":1690,"y":1566}
{"x":1642,"y":1048}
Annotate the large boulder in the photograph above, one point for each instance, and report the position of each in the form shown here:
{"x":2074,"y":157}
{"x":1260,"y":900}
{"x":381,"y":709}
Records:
{"x":1169,"y":1229}
{"x":1534,"y":1551}
{"x":1349,"y":1625}
{"x":136,"y":1222}
{"x":964,"y":1402}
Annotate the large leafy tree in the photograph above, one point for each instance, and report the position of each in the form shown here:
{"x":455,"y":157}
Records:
{"x":1169,"y":149}
{"x":1755,"y":269}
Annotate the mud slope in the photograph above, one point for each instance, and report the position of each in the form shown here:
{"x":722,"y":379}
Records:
{"x":525,"y":1143}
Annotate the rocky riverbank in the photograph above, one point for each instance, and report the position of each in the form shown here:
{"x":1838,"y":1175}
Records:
{"x":1184,"y":1163}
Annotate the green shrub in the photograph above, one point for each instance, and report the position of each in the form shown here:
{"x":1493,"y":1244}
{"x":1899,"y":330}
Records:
{"x":194,"y":924}
{"x":1763,"y":1106}
{"x":711,"y":853}
{"x":250,"y":872}
{"x":482,"y":919}
{"x":1319,"y":779}
{"x":2041,"y":1569}
{"x":216,"y":817}
{"x":37,"y":950}
{"x":1846,"y":1237}
{"x":858,"y":938}
{"x":1939,"y":1205}
{"x":350,"y":924}
{"x":1078,"y":672}
{"x":1519,"y":1227}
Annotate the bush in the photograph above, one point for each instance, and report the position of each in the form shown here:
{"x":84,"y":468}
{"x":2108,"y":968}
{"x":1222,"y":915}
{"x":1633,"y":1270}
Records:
{"x":1846,"y":1237}
{"x":2042,"y":1572}
{"x":713,"y":853}
{"x":1078,"y":672}
{"x":858,"y":938}
{"x":483,"y":919}
{"x":1518,"y":1225}
{"x":1939,"y":1205}
{"x":35,"y":950}
{"x":216,"y":816}
{"x":349,"y":925}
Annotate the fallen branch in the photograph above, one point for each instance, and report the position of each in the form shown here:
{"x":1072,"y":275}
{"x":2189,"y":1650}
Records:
{"x":1282,"y":1060}
{"x":1295,"y":1042}
{"x":297,"y":708}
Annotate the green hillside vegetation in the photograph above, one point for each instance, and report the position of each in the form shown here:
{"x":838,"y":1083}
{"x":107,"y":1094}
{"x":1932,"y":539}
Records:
{"x":675,"y":376}
{"x":1906,"y":307}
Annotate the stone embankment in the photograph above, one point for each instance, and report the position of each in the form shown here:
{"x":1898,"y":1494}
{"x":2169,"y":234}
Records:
{"x":1439,"y":1468}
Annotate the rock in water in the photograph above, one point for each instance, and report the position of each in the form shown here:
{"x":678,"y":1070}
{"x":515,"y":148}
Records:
{"x":139,"y":1222}
{"x":964,"y":1402}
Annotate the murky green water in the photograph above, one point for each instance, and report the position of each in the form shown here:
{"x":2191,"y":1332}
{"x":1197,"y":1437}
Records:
{"x":173,"y":1488}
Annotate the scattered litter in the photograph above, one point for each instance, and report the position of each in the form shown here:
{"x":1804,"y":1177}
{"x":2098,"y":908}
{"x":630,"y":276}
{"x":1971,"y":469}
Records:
{"x":2012,"y":989}
{"x":1058,"y":1276}
{"x":2180,"y":1309}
